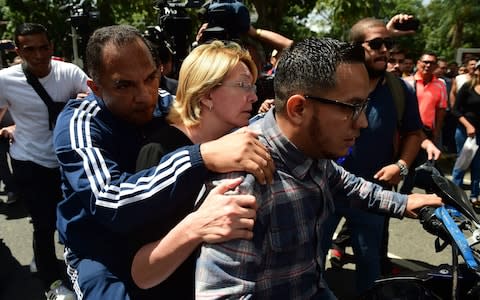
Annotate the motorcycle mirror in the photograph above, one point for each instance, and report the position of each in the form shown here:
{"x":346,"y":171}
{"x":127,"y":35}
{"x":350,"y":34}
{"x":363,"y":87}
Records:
{"x":453,"y":195}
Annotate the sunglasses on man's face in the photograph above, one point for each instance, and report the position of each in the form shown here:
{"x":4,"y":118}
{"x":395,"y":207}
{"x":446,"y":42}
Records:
{"x":377,"y":43}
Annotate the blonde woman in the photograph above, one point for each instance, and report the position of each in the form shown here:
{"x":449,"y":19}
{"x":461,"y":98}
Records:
{"x":215,"y":95}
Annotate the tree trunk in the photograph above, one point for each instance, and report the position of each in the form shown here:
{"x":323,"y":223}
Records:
{"x":457,"y":37}
{"x":270,"y":13}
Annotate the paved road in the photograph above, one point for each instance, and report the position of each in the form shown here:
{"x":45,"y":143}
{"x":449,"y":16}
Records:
{"x":410,"y":247}
{"x":409,"y":244}
{"x":16,"y":281}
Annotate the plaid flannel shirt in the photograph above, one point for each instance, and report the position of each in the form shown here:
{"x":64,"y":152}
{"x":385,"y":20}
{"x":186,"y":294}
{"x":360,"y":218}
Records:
{"x":284,"y":259}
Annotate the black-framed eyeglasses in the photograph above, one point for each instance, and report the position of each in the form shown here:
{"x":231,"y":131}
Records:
{"x":357,"y":109}
{"x":377,"y":43}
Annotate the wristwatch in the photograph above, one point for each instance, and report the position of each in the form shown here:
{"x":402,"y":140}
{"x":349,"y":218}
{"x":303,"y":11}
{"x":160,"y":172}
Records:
{"x":403,"y":168}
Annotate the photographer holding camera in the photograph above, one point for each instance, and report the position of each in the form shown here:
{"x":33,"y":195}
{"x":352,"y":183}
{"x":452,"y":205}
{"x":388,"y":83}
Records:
{"x":230,"y":21}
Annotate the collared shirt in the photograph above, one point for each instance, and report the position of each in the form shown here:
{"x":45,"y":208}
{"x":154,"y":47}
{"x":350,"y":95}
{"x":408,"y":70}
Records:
{"x":431,"y":97}
{"x":284,"y":259}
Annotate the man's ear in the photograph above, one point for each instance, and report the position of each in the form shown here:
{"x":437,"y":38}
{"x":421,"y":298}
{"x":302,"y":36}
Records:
{"x":295,"y":109}
{"x":94,"y":87}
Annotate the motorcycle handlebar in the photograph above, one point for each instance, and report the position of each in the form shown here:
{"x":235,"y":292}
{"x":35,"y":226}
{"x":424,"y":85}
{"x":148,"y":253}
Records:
{"x":432,"y":224}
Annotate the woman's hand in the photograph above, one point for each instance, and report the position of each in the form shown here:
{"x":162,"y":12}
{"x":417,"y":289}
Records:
{"x":470,"y":130}
{"x":224,"y":217}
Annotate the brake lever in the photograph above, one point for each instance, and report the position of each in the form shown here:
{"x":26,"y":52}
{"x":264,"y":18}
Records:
{"x":440,"y":247}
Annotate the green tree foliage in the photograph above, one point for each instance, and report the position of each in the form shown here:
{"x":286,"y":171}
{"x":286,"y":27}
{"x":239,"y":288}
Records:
{"x":446,"y":24}
{"x":412,"y":44}
{"x":452,"y":24}
{"x":343,"y":14}
{"x":284,"y":16}
{"x":55,"y":15}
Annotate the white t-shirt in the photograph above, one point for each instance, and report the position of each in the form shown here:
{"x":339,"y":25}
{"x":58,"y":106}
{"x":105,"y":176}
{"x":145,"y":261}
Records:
{"x":32,"y":137}
{"x":461,"y":79}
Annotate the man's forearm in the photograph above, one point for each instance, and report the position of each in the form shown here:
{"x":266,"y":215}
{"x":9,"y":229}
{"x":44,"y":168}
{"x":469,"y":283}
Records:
{"x":410,"y":146}
{"x":453,"y":93}
{"x":273,"y":39}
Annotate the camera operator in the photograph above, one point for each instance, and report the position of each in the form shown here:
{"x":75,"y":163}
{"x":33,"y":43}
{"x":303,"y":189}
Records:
{"x":271,"y":38}
{"x":163,"y":55}
{"x":230,"y":20}
{"x":277,"y":42}
{"x":163,"y":51}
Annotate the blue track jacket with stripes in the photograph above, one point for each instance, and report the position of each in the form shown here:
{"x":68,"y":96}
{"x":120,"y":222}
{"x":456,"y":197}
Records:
{"x":105,"y":201}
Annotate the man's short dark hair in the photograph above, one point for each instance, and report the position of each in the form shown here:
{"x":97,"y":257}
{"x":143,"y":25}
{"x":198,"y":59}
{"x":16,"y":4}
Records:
{"x":30,"y":29}
{"x":397,"y":50}
{"x":118,"y":35}
{"x":442,"y":59}
{"x":468,"y":58}
{"x":310,"y":65}
{"x":358,"y":31}
{"x":429,"y":53}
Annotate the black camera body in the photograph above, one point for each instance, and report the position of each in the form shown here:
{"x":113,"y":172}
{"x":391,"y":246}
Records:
{"x":174,"y":27}
{"x":84,"y":19}
{"x":227,"y":20}
{"x":407,"y":25}
{"x":84,"y":16}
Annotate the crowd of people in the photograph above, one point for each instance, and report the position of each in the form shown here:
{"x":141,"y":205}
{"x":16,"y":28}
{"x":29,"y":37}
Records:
{"x":161,"y":187}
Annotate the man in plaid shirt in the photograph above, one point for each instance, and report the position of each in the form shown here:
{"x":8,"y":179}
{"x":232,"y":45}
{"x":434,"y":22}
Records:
{"x":315,"y":119}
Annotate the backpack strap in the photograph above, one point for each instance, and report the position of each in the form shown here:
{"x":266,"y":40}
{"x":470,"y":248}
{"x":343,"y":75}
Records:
{"x":53,"y":108}
{"x":398,"y":94}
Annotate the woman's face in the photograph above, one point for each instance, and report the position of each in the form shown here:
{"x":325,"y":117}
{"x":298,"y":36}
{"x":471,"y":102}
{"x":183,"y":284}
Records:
{"x":232,"y":100}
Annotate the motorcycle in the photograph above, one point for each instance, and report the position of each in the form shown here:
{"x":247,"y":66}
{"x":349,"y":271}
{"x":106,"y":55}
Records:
{"x":455,"y":224}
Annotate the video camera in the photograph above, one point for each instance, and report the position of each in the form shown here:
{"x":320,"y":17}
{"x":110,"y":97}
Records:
{"x":227,"y":20}
{"x":84,"y":16}
{"x":174,"y":26}
{"x":84,"y":19}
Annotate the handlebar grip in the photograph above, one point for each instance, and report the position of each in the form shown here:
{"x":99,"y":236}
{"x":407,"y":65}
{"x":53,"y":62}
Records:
{"x":431,"y":224}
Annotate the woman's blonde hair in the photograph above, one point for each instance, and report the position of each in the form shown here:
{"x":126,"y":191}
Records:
{"x":201,"y":71}
{"x":475,"y":78}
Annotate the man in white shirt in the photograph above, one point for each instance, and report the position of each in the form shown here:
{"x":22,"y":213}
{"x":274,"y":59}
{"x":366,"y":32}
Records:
{"x":33,"y":158}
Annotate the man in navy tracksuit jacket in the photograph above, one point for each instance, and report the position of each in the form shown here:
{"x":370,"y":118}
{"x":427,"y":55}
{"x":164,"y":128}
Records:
{"x":99,"y":173}
{"x":97,"y":140}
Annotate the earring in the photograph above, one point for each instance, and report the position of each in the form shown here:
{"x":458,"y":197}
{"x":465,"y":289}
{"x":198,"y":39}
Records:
{"x":210,"y":106}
